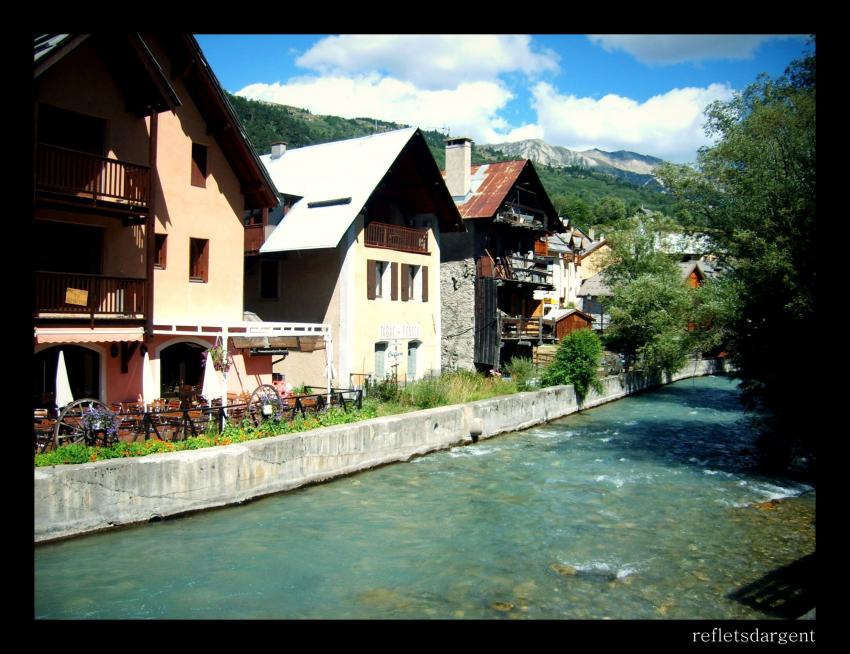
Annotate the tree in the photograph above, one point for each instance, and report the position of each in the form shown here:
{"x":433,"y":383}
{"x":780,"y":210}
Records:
{"x":637,"y":248}
{"x":576,"y":362}
{"x":609,"y":211}
{"x":574,"y":208}
{"x":649,"y":317}
{"x":754,"y":194}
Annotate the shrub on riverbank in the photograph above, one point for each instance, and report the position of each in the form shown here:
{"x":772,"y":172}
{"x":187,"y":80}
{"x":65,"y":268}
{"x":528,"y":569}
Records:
{"x":576,"y":363}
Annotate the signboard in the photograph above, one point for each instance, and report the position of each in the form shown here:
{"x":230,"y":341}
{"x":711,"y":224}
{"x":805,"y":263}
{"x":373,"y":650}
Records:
{"x":77,"y":297}
{"x":393,"y":332}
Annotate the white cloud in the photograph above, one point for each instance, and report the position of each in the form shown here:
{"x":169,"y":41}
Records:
{"x":441,"y":61}
{"x":470,"y":109}
{"x":669,"y":126}
{"x":673,"y":49}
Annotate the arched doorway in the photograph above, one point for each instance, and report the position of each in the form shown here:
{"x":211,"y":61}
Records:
{"x":179,"y":365}
{"x":82,"y":364}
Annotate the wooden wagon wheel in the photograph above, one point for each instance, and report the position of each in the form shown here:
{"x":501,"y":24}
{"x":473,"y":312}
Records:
{"x":265,"y":404}
{"x":72,"y":428}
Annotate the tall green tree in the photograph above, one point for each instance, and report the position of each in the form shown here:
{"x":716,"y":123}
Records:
{"x":754,"y":194}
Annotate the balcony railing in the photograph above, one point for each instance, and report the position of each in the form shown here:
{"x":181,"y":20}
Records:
{"x":528,"y":329}
{"x":255,"y":236}
{"x":79,"y":174}
{"x":394,"y":237}
{"x":533,"y":270}
{"x":94,"y":295}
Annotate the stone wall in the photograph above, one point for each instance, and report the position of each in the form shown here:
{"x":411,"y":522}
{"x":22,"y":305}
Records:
{"x":457,"y":295}
{"x":76,"y":499}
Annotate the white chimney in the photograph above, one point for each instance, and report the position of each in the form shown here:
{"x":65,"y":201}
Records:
{"x":278,"y":148}
{"x":458,"y":166}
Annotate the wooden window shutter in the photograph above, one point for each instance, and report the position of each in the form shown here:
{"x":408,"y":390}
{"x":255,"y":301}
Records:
{"x":370,"y":279}
{"x":394,"y":284}
{"x":424,"y":274}
{"x":405,"y":282}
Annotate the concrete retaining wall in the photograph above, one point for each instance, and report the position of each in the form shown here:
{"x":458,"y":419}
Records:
{"x":76,"y":499}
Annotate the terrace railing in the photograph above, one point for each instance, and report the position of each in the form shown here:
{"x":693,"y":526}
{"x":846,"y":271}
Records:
{"x":69,"y":293}
{"x":395,"y":237}
{"x":79,"y":174}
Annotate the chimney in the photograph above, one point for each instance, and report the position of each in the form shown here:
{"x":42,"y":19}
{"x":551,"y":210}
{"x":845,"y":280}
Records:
{"x":278,"y":148}
{"x":458,"y":166}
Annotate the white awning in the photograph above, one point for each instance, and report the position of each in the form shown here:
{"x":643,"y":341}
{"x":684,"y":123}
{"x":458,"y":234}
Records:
{"x":87,"y":335}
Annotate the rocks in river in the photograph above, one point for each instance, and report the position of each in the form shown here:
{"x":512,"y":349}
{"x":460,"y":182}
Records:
{"x":503,"y":607}
{"x":563,"y":569}
{"x":769,"y":505}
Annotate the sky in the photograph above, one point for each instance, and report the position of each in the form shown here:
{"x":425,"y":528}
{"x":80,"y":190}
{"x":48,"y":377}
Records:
{"x":643,"y":93}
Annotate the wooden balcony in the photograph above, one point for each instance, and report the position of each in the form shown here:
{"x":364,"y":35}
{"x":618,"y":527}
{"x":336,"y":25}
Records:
{"x":532,"y":270}
{"x":395,"y":237}
{"x":71,"y":295}
{"x":536,"y":330}
{"x":80,"y":176}
{"x":255,"y":236}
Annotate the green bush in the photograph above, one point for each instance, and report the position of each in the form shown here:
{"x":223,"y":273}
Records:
{"x":521,"y":370}
{"x":576,"y":363}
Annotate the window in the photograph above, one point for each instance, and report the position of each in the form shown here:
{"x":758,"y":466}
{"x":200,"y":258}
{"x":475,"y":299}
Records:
{"x":380,"y":360}
{"x":199,"y":259}
{"x":414,"y":283}
{"x":412,"y":349}
{"x":269,"y":279}
{"x":381,"y":276}
{"x":199,"y":165}
{"x":159,"y":251}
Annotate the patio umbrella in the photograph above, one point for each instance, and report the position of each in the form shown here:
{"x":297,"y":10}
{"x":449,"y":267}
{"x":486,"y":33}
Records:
{"x":64,"y":396}
{"x":211,"y":388}
{"x":149,"y":390}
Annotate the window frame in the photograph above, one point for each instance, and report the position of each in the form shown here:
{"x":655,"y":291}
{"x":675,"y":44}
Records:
{"x":200,"y":165}
{"x":199,"y":260}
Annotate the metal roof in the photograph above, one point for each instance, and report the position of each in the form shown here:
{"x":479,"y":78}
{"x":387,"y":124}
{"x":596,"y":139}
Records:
{"x":334,"y":181}
{"x":490,"y":184}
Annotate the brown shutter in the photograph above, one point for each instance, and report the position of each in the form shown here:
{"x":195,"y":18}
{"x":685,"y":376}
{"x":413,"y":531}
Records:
{"x":405,"y":282}
{"x":394,"y":285}
{"x":424,"y":283}
{"x":370,"y":279}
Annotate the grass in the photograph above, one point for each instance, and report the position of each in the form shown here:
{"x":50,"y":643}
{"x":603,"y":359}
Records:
{"x":451,"y":388}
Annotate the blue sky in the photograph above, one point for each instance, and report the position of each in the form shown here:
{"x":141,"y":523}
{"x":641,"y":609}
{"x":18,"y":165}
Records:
{"x":644,"y":93}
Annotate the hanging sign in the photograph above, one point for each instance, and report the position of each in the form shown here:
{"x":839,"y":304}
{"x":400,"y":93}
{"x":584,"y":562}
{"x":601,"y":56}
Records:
{"x":76,"y":296}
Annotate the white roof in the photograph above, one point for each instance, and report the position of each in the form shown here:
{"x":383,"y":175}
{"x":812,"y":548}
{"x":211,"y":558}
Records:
{"x":324,"y":173}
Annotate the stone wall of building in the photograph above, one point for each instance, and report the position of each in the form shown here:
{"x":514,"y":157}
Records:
{"x":457,"y":293}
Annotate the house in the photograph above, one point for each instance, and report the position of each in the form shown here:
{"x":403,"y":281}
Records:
{"x":356,"y":245}
{"x":142,"y":175}
{"x":489,"y":274}
{"x":576,"y":256}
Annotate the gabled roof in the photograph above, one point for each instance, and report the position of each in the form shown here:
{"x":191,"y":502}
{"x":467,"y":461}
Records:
{"x":335,"y":180}
{"x":596,"y":285}
{"x":148,"y":90}
{"x":492,"y":183}
{"x":560,"y":314}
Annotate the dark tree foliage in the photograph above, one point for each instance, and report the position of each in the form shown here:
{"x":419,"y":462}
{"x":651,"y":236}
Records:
{"x":754,"y":194}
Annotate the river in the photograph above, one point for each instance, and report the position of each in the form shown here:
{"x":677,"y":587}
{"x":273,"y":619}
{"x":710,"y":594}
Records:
{"x":648,"y":507}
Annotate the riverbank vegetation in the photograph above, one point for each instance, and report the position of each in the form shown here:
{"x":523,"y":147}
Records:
{"x":753,"y":194}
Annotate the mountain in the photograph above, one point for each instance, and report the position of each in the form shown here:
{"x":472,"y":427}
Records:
{"x":636,"y":169}
{"x":565,"y":173}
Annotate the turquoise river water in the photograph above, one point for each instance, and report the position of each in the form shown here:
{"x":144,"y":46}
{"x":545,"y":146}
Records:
{"x":649,"y":507}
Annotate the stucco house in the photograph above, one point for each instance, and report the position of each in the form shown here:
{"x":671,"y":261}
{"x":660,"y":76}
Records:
{"x":490,"y":273}
{"x":142,"y":175}
{"x":356,"y":245}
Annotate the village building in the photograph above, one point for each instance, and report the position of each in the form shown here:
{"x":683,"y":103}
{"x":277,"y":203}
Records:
{"x":356,"y":245}
{"x":142,"y":175}
{"x":490,"y":273}
{"x":575,"y":257}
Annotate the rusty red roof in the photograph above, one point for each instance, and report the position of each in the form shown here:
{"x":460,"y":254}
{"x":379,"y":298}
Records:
{"x":488,"y":194}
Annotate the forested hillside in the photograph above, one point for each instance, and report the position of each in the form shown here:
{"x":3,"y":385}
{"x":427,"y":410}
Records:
{"x":573,"y":190}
